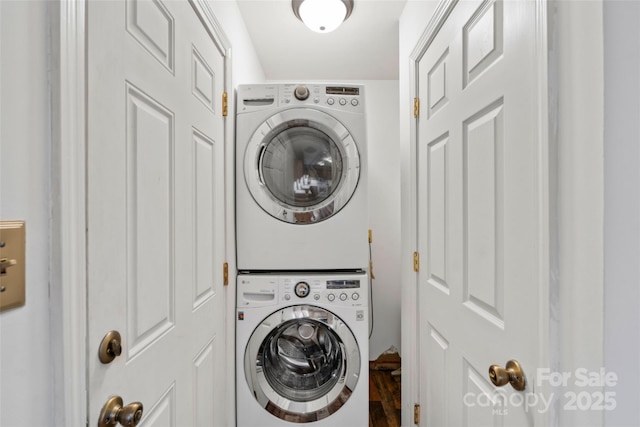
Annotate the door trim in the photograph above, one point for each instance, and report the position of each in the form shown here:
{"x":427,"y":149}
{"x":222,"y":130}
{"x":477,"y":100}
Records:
{"x":68,"y":195}
{"x":572,"y":157}
{"x":576,"y":129}
{"x":68,"y":268}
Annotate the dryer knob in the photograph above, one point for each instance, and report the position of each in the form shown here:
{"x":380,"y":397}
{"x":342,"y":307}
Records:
{"x":301,"y":93}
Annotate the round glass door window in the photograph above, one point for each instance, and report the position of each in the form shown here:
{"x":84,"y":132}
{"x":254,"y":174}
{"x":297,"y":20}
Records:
{"x":302,"y":166}
{"x":305,"y":367}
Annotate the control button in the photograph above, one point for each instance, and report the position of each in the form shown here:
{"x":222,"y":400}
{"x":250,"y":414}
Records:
{"x":343,"y":297}
{"x":343,"y":101}
{"x":287,"y":100}
{"x":301,"y":93}
{"x":355,"y":296}
{"x":316,"y":100}
{"x":331,"y":101}
{"x":331,"y":297}
{"x":316,"y":297}
{"x":287,"y":297}
{"x":354,"y":102}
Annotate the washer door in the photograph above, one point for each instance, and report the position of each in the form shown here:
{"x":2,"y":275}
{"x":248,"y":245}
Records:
{"x":301,"y":166}
{"x":302,"y":363}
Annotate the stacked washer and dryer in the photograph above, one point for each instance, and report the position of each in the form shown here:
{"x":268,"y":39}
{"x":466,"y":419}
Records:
{"x":302,"y":327}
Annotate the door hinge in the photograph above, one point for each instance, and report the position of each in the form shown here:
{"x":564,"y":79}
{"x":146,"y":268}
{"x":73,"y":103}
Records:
{"x":416,"y":107}
{"x":416,"y":413}
{"x":416,"y":262}
{"x":225,"y":274}
{"x":225,"y":104}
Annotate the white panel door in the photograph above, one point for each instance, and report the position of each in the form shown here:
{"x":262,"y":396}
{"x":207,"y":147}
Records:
{"x":155,"y":210}
{"x":481,"y":214}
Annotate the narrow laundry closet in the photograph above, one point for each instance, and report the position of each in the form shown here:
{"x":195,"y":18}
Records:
{"x":422,"y":215}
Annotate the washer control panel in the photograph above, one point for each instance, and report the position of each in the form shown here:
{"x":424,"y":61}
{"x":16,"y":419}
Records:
{"x":336,"y":291}
{"x":338,"y":97}
{"x":348,"y":98}
{"x":267,"y":289}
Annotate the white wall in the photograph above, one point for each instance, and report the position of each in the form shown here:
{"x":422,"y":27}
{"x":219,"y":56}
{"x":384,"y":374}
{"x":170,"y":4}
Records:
{"x":246,"y":67}
{"x":384,"y":212}
{"x":622,"y":207}
{"x":25,"y":367}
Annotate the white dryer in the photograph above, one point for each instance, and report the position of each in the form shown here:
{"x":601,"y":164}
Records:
{"x":302,"y":350}
{"x":301,"y":187}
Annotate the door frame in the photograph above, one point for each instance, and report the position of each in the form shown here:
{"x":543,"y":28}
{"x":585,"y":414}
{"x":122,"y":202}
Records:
{"x":572,"y":115}
{"x":68,"y":263}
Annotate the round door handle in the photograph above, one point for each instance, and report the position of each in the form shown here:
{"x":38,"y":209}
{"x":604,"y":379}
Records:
{"x":130,"y":415}
{"x":110,"y":347}
{"x":113,"y":413}
{"x":511,"y":374}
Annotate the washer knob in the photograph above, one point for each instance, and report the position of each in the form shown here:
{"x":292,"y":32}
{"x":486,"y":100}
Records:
{"x":331,"y":297}
{"x":302,"y":289}
{"x":301,"y":93}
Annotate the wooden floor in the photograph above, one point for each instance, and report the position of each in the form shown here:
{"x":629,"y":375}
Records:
{"x":384,"y":399}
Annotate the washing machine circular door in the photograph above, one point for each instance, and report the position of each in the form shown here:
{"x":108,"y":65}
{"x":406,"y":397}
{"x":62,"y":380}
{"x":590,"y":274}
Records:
{"x":302,"y":363}
{"x":302,"y":166}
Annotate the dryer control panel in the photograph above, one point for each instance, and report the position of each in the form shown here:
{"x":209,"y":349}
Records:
{"x":348,"y":290}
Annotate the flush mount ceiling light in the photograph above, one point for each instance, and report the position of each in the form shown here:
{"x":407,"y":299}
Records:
{"x":322,"y":16}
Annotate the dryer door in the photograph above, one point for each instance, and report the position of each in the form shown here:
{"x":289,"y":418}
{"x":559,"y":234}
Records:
{"x":302,"y":363}
{"x":301,"y":166}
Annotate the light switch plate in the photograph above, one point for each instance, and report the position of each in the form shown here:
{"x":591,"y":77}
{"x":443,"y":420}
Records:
{"x":12,"y":264}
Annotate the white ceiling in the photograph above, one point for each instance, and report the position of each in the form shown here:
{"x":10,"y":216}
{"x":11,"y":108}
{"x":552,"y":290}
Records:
{"x":365,"y":47}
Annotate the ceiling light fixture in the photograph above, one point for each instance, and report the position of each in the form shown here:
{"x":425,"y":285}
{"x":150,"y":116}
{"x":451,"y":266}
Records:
{"x":322,"y":16}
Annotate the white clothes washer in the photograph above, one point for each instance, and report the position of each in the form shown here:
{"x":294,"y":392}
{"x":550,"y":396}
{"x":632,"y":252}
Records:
{"x":301,"y":182}
{"x":302,"y":349}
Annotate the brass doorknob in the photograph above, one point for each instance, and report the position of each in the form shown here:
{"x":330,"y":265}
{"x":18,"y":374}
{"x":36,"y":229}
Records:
{"x":512,"y":373}
{"x":113,"y":413}
{"x":110,"y":347}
